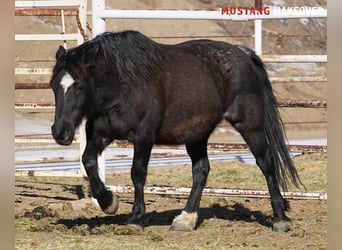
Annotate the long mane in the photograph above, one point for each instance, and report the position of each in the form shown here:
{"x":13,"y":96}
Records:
{"x":131,"y":55}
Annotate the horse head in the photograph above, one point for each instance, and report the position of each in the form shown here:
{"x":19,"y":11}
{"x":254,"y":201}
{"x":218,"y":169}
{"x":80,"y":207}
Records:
{"x":68,"y":87}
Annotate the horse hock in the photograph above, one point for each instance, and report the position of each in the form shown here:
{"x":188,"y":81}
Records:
{"x":184,"y":222}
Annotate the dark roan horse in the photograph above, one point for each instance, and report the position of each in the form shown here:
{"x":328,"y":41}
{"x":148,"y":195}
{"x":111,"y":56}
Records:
{"x":130,"y":87}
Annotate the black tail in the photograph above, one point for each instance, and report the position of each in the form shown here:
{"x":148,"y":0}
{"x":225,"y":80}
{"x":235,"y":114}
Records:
{"x":274,"y":130}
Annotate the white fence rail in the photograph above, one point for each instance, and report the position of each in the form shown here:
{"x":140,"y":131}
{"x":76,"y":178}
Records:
{"x":82,"y":8}
{"x":82,"y":13}
{"x":100,"y":14}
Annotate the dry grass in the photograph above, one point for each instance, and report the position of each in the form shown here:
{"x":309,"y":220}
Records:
{"x":312,"y":169}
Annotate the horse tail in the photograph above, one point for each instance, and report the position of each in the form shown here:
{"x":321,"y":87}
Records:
{"x":274,"y":129}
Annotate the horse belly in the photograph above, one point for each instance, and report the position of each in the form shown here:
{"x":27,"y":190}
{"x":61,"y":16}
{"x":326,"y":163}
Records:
{"x":192,"y":98}
{"x":187,"y":130}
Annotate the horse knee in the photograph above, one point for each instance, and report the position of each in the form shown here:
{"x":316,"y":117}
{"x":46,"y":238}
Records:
{"x":88,"y":160}
{"x":184,"y":222}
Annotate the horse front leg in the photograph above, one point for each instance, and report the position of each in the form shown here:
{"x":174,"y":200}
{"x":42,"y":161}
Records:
{"x":107,"y":200}
{"x":187,"y":220}
{"x":142,"y":152}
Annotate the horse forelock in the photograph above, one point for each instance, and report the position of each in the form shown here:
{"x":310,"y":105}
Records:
{"x":64,"y":72}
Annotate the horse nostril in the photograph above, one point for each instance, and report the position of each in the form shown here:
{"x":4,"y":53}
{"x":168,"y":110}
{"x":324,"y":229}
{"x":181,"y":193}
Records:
{"x":58,"y":131}
{"x":67,"y":131}
{"x":62,"y":132}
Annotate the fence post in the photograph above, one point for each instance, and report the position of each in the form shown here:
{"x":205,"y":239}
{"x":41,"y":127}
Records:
{"x":258,"y":36}
{"x":83,"y":140}
{"x":98,"y":23}
{"x":99,"y":26}
{"x":82,"y":10}
{"x":258,"y":30}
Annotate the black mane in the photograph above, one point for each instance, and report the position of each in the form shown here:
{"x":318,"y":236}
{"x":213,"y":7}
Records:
{"x":130,"y":54}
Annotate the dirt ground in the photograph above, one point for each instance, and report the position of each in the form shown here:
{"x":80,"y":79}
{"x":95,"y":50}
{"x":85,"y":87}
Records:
{"x":57,"y":213}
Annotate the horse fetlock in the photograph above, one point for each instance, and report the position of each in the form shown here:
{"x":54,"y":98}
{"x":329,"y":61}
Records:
{"x":184,"y":222}
{"x":135,"y":227}
{"x":281,"y":226}
{"x":136,"y":221}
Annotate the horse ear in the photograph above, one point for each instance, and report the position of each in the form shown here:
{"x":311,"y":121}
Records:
{"x":60,"y":52}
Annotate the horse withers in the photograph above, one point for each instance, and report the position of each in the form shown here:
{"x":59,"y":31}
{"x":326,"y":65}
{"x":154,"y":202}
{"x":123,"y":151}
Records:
{"x":130,"y":87}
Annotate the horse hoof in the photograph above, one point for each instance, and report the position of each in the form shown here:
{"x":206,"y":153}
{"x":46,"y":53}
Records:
{"x":112,"y":208}
{"x":136,"y":227}
{"x":281,"y":226}
{"x":136,"y":221}
{"x":184,"y":222}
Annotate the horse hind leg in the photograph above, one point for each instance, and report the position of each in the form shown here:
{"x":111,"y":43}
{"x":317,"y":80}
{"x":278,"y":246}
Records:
{"x":249,"y":121}
{"x":264,"y":159}
{"x":187,"y":220}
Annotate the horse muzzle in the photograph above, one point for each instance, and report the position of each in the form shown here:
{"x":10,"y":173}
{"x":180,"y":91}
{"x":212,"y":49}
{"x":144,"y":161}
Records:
{"x":63,"y":135}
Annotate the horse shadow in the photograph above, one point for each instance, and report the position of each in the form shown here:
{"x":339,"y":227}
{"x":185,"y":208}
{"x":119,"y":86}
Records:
{"x":31,"y":190}
{"x":236,"y":212}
